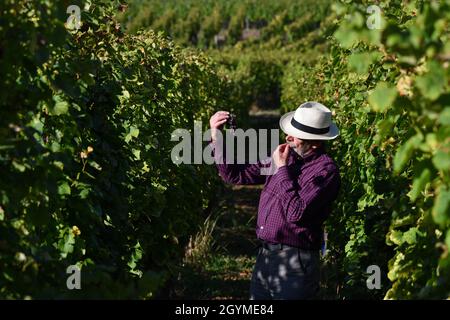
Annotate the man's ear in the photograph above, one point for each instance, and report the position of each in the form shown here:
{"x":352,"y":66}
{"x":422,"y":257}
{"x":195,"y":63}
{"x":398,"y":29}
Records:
{"x":316,"y":144}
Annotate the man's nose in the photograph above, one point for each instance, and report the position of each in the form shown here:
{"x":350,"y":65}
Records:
{"x":288,"y":138}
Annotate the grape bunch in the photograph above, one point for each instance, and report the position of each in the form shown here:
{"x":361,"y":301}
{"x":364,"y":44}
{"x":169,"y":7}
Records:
{"x":231,"y":122}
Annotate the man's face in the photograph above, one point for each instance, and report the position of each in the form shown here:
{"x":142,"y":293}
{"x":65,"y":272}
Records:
{"x":294,"y":142}
{"x":301,"y":147}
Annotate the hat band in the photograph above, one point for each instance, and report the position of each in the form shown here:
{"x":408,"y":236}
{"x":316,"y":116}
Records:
{"x":308,"y":129}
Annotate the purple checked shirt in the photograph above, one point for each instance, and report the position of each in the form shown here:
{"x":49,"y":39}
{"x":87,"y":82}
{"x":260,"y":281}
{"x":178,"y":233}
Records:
{"x":295,"y":201}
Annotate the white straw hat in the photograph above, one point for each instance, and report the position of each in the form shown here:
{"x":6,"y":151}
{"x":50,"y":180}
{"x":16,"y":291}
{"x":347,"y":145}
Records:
{"x":311,"y":121}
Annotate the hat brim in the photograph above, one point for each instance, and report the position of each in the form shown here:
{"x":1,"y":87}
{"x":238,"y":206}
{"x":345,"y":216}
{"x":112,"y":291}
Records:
{"x":286,"y":126}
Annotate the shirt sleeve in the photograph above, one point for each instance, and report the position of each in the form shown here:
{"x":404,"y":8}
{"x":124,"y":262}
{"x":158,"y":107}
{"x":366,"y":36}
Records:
{"x":303,"y":203}
{"x":239,"y":173}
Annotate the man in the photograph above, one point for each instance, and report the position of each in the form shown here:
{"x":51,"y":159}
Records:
{"x":294,"y":203}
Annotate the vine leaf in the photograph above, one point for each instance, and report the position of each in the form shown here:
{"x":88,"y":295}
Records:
{"x":441,"y":208}
{"x":432,"y":84}
{"x":419,"y":184}
{"x":405,"y":152}
{"x":382,"y":97}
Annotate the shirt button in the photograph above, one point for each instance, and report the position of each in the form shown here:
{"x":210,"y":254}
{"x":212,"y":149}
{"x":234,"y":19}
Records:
{"x":261,"y":227}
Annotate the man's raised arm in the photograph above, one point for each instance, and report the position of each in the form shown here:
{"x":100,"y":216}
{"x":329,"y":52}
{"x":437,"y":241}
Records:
{"x":232,"y":173}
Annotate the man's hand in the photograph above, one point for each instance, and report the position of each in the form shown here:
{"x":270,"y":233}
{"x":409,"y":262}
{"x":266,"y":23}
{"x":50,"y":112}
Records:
{"x":216,"y":122}
{"x":280,"y":155}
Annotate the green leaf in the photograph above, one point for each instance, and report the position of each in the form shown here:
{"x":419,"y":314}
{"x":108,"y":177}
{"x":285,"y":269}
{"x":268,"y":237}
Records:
{"x":55,"y":147}
{"x":395,"y":268}
{"x":419,"y":184}
{"x":18,"y":166}
{"x":382,"y":97}
{"x":444,"y":118}
{"x":346,"y":36}
{"x":64,"y":189}
{"x":360,"y":62}
{"x":395,"y":237}
{"x":441,"y":208}
{"x":133,"y":133}
{"x":37,"y":124}
{"x":447,"y":239}
{"x":410,"y":236}
{"x":84,"y":193}
{"x":61,"y":106}
{"x":126,"y":94}
{"x":403,"y":221}
{"x":59,"y":165}
{"x":66,"y":244}
{"x":405,"y":151}
{"x":136,"y":256}
{"x":95,"y":165}
{"x":384,"y":128}
{"x":137,"y":154}
{"x":431,"y":143}
{"x":432,"y":84}
{"x":441,"y":160}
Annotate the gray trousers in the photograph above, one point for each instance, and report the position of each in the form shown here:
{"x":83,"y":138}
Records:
{"x":285,"y":273}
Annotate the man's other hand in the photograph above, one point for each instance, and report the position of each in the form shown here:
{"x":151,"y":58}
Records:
{"x":280,"y":155}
